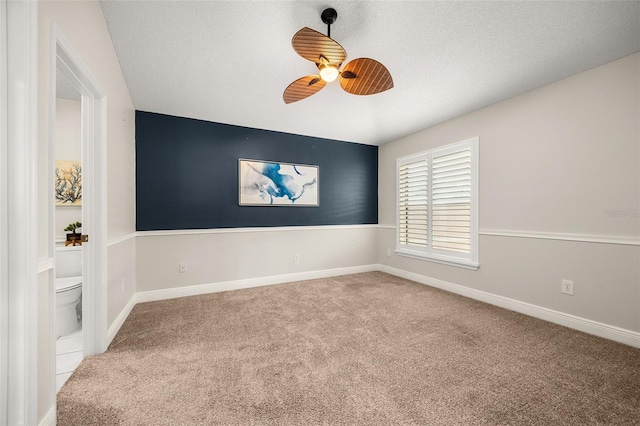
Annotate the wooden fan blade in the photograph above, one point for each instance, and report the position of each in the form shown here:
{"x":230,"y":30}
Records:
{"x":310,"y":44}
{"x":364,"y":76}
{"x":303,"y":88}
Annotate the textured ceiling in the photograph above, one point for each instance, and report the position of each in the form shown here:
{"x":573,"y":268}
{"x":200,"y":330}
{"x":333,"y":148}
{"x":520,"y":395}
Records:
{"x":230,"y":61}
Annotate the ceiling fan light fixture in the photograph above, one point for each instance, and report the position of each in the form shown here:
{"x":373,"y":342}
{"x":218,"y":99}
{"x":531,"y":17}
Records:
{"x":329,"y":73}
{"x":361,"y":76}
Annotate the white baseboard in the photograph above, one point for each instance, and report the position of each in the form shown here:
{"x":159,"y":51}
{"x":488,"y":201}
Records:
{"x":172,"y":293}
{"x":610,"y":332}
{"x":596,"y":328}
{"x":49,"y":419}
{"x":117,"y":323}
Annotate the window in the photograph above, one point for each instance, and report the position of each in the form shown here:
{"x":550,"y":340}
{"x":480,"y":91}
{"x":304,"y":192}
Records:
{"x":438,"y":205}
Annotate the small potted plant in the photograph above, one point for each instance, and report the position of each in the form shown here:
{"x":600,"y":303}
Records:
{"x":73,"y":237}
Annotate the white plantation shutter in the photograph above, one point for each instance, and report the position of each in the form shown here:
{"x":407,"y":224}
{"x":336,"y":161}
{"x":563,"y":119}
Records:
{"x":437,"y":204}
{"x":413,"y":195}
{"x":451,"y":201}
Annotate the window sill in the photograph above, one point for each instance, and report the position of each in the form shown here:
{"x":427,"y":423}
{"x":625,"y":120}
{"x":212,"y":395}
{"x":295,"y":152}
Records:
{"x":445,"y":260}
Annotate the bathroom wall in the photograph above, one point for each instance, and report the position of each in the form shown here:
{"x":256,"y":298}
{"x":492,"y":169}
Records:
{"x":68,"y":148}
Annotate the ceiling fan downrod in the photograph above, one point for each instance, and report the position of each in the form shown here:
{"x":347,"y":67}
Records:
{"x":329,"y":16}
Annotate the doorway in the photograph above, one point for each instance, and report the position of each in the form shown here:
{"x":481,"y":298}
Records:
{"x":68,"y":194}
{"x":70,"y":78}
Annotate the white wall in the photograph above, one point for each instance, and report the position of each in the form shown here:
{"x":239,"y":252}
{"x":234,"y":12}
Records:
{"x":83,"y":24}
{"x":552,"y":161}
{"x":218,"y":256}
{"x":68,"y":148}
{"x":122,"y":277}
{"x":68,"y":130}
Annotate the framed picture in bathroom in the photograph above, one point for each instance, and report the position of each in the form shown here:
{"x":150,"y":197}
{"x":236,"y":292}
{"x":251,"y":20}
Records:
{"x":68,"y":183}
{"x":264,"y":183}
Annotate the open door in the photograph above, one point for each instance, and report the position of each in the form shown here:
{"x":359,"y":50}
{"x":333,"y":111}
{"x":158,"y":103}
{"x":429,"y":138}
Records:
{"x":94,"y":206}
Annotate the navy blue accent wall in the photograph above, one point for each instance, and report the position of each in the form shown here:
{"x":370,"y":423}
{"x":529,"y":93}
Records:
{"x":187,"y":176}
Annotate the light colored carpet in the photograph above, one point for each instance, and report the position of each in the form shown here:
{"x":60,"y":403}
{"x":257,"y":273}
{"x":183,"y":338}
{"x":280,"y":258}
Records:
{"x":359,"y":349}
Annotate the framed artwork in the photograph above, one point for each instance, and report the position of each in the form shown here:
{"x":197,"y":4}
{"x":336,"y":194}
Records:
{"x":263,"y":183}
{"x":68,"y":183}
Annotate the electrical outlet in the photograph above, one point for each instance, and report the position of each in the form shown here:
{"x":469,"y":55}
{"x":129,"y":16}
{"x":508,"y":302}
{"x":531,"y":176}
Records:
{"x":296,"y":258}
{"x":388,"y":252}
{"x":182,"y":267}
{"x":567,"y":287}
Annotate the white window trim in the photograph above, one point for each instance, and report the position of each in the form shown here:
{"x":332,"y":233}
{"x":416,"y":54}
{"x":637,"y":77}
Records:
{"x":434,"y":255}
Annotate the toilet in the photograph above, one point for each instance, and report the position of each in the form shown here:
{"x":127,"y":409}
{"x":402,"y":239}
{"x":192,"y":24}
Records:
{"x":68,"y":290}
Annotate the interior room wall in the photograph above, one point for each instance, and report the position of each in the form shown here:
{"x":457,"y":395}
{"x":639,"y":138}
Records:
{"x":187,"y":176}
{"x":559,"y":195}
{"x":68,"y":148}
{"x":121,"y":280}
{"x":84,"y":26}
{"x":231,"y":256}
{"x":188,"y":208}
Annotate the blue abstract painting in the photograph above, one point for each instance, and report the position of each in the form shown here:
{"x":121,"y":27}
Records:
{"x":277,"y":184}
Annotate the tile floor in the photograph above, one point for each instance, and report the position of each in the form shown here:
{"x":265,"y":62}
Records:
{"x":68,"y":356}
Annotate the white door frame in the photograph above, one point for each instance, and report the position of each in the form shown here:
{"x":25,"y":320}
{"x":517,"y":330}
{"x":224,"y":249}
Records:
{"x":19,"y":206}
{"x":4,"y":281}
{"x":64,"y":58}
{"x":19,"y":214}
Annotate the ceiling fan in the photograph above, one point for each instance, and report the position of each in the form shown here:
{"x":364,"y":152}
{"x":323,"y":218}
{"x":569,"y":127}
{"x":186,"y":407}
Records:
{"x":362,"y":76}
